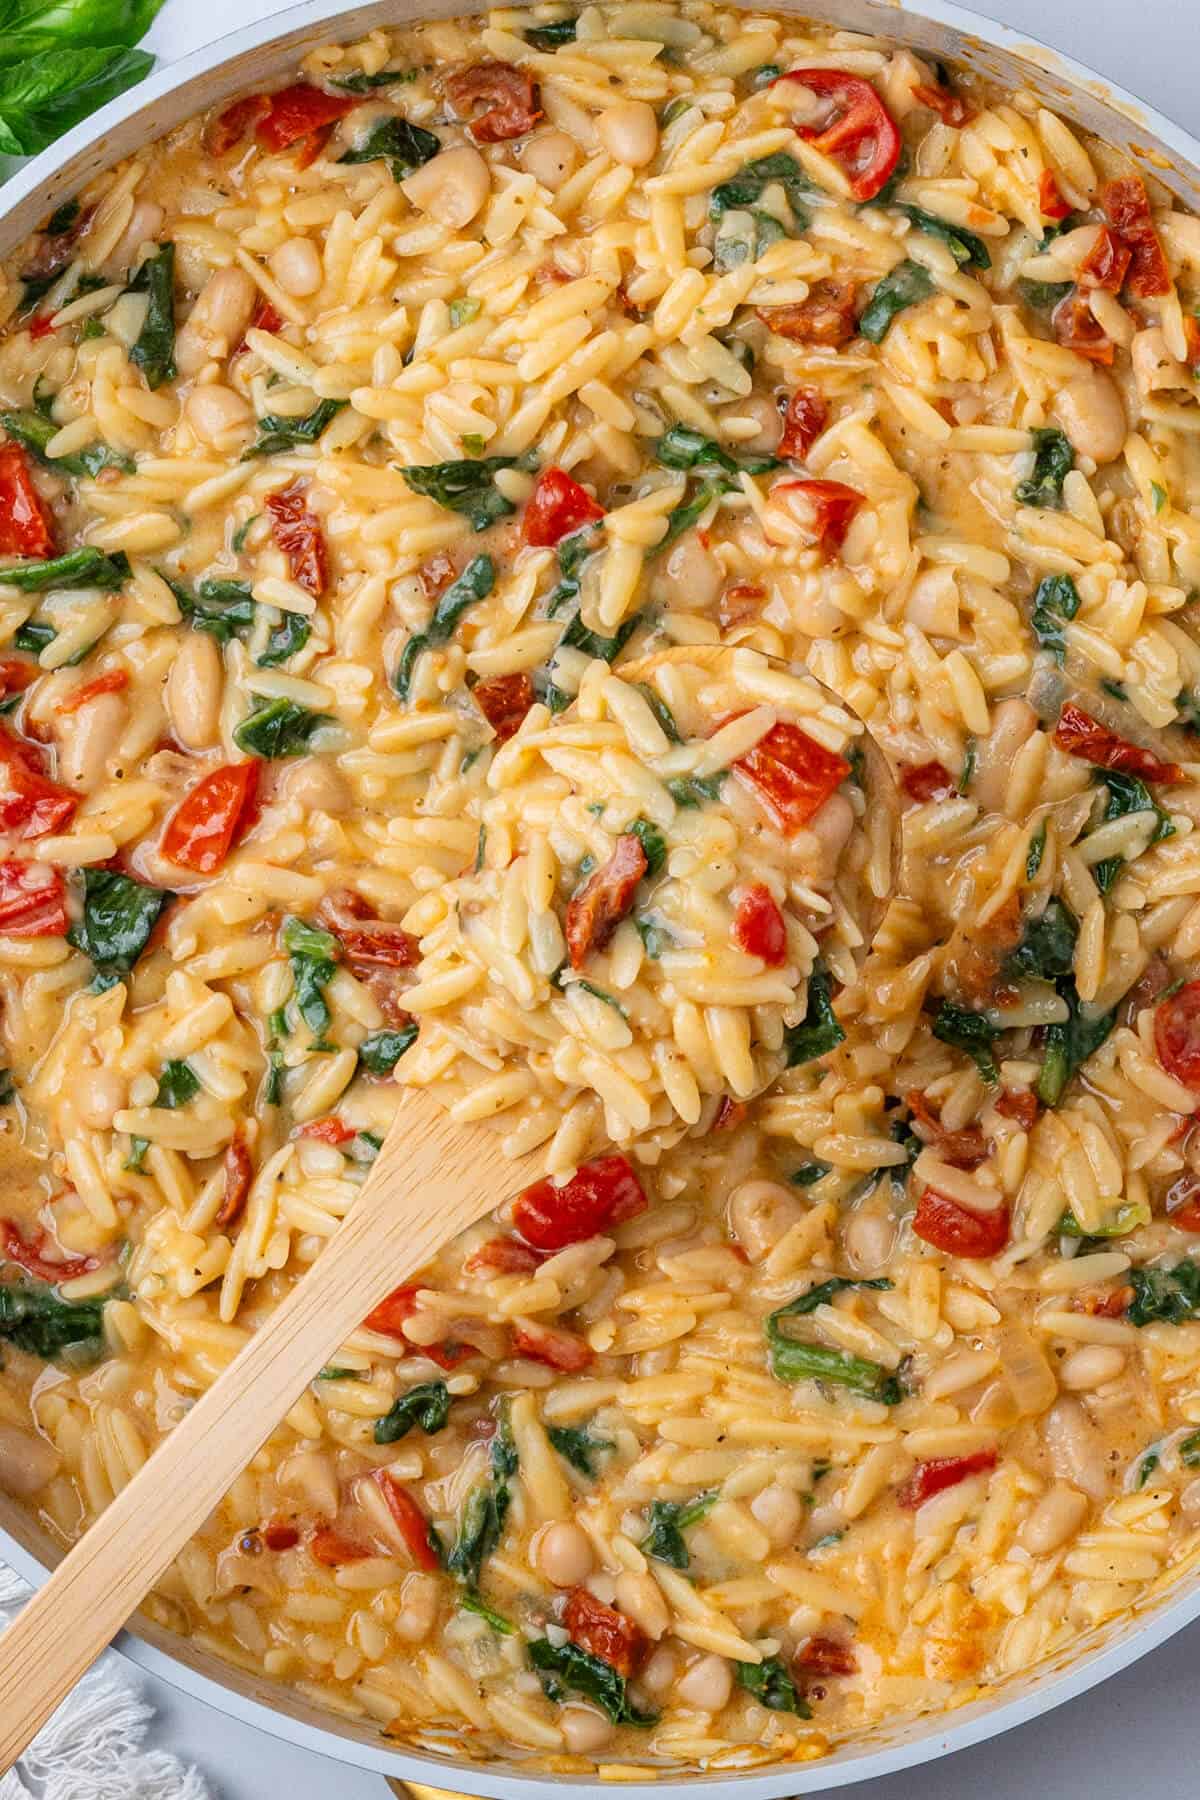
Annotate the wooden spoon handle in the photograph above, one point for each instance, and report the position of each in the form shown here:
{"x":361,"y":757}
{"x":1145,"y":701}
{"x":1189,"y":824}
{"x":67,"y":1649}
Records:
{"x":431,"y":1179}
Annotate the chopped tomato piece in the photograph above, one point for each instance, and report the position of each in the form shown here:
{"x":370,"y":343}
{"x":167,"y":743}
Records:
{"x":927,"y":781}
{"x":111,"y":682}
{"x":1051,"y":203}
{"x":504,"y":700}
{"x":502,"y":1256}
{"x":825,"y":1656}
{"x":436,"y":575}
{"x":1080,"y":735}
{"x":510,"y":96}
{"x":16,"y":675}
{"x":331,"y":1549}
{"x":792,"y":775}
{"x":564,"y":1350}
{"x":390,"y":1316}
{"x":32,"y":901}
{"x":29,"y":1254}
{"x":328,"y":1131}
{"x":41,"y":325}
{"x":831,"y":506}
{"x":298,"y":534}
{"x":25,"y":521}
{"x":1126,"y":206}
{"x":298,"y":112}
{"x":369,"y":943}
{"x":827,"y":316}
{"x":805,"y":419}
{"x":1183,"y":1203}
{"x":265,"y":317}
{"x":1077,"y":328}
{"x":234,"y":123}
{"x":1102,"y":1303}
{"x":239,"y":1174}
{"x":729,"y":1114}
{"x":1177,"y":1035}
{"x":594,"y":913}
{"x":963,"y":1149}
{"x":1105,"y":264}
{"x":952,"y":1228}
{"x":280,"y":1536}
{"x":410,"y":1521}
{"x":950,"y":108}
{"x":30,"y":804}
{"x":856,"y":131}
{"x":1023,"y":1107}
{"x":557,"y":507}
{"x":758,"y":925}
{"x":208,"y":821}
{"x":929,"y":1478}
{"x":740,"y":602}
{"x":600,"y":1194}
{"x":604,"y":1632}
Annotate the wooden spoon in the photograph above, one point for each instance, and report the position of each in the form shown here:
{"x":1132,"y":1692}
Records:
{"x":431,"y":1180}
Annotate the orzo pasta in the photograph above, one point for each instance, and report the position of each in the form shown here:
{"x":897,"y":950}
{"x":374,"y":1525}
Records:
{"x":351,"y":435}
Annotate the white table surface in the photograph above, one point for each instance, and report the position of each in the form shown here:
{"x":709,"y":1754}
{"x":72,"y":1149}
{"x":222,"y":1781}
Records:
{"x":1135,"y":1735}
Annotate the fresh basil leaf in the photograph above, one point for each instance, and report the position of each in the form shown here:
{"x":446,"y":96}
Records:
{"x":1164,"y":1296}
{"x":403,"y":147}
{"x":668,"y":1520}
{"x":971,"y":1032}
{"x":906,"y":285}
{"x":51,"y":84}
{"x":177,"y":1084}
{"x":119,"y":915}
{"x":581,"y":1673}
{"x":772,"y":1686}
{"x":1068,"y":1046}
{"x":34,"y":1319}
{"x":314,"y":956}
{"x":380,"y":1051}
{"x":280,"y":728}
{"x":578,"y":1447}
{"x":1053,"y":460}
{"x":277,"y":434}
{"x":967,"y":250}
{"x":34,"y":430}
{"x":819,"y":1031}
{"x":426,"y":1405}
{"x":467,"y":487}
{"x":154,"y":351}
{"x":85,"y":567}
{"x":287,"y":639}
{"x":474,"y":584}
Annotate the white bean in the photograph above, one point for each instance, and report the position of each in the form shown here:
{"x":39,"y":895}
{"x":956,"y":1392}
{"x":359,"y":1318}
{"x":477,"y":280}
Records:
{"x":1090,"y":411}
{"x":452,"y":187}
{"x":296,"y":266}
{"x":27,"y":1463}
{"x":779,"y":1510}
{"x":1013,"y":724}
{"x":1092,"y":1366}
{"x":316,"y":784}
{"x":216,"y":414}
{"x":869,"y":1236}
{"x":831,"y":827}
{"x":564,"y":1554}
{"x":657,"y":1673}
{"x":629,"y":132}
{"x":759,"y":1214}
{"x":1056,"y":1517}
{"x":217,"y":321}
{"x":584,"y":1730}
{"x":707,"y":1684}
{"x":1076,"y":1448}
{"x":145,"y":223}
{"x":692,"y":577}
{"x":761,"y":407}
{"x":87,"y":739}
{"x":194,"y":688}
{"x":551,"y":157}
{"x":640,"y":1598}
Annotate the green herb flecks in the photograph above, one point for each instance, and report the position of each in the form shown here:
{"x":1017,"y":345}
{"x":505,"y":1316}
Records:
{"x":426,"y":1405}
{"x":1165,"y":1296}
{"x":474,"y":584}
{"x":362,"y":83}
{"x":177,"y":1084}
{"x":1056,"y":600}
{"x":695,"y":790}
{"x":1035,"y":853}
{"x":654,"y":844}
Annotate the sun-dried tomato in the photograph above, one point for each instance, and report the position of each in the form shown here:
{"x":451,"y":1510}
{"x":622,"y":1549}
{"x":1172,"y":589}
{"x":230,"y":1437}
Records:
{"x":941,"y":1472}
{"x":331,"y":1549}
{"x":211,"y":817}
{"x":1021,"y":1106}
{"x":1080,"y":735}
{"x":604,"y":1632}
{"x":742,"y":601}
{"x":963,"y":1149}
{"x":1105,"y":264}
{"x":510,"y":96}
{"x":502,"y":1256}
{"x":557,"y":507}
{"x":1077,"y":328}
{"x":855,"y":130}
{"x":830,"y":505}
{"x":927,"y":781}
{"x":950,"y":108}
{"x":504,"y":700}
{"x":1051,"y":203}
{"x":562,"y":1350}
{"x":26,"y":526}
{"x":1126,"y":206}
{"x":31,"y":805}
{"x":33,"y":901}
{"x":30,"y":1254}
{"x":298,"y":534}
{"x":1177,"y":1035}
{"x":300,"y":113}
{"x":393,"y":1312}
{"x":758,"y":925}
{"x":234,"y":123}
{"x":827,"y":316}
{"x":409,"y":1520}
{"x":436,"y":575}
{"x":825,"y":1656}
{"x":791,"y":775}
{"x":238,"y":1170}
{"x":956,"y":1230}
{"x":805,"y":419}
{"x":594,"y":913}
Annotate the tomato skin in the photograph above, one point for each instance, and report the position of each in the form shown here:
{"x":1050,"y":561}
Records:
{"x":328,"y":1131}
{"x":410,"y":1521}
{"x":331,"y":1549}
{"x":27,"y":1254}
{"x":604,"y":1632}
{"x":825,"y":1656}
{"x":758,"y":925}
{"x":729,"y":1114}
{"x":1126,"y":206}
{"x":950,"y":108}
{"x":205,"y":825}
{"x":15,"y":675}
{"x":33,"y":805}
{"x":1077,"y":328}
{"x":515,"y":101}
{"x":380,"y":945}
{"x":833,"y":506}
{"x":941,"y":1472}
{"x":594,"y":913}
{"x":25,"y":520}
{"x":41,"y":325}
{"x":1051,"y":204}
{"x":504,"y":700}
{"x":927,"y":781}
{"x":951,"y":1228}
{"x":231,"y":126}
{"x":297,"y":112}
{"x":390,"y":1316}
{"x":1177,"y":1035}
{"x":599,"y":1194}
{"x":563,"y":1350}
{"x":557,"y":507}
{"x":238,"y":1170}
{"x":858,"y":133}
{"x":1080,"y":735}
{"x":113,"y":681}
{"x":792,"y":775}
{"x":826,"y":316}
{"x":502,"y":1256}
{"x":32,"y":901}
{"x":280,"y":1536}
{"x":805,"y":419}
{"x":963,"y":1149}
{"x":1183,"y":1203}
{"x":740,"y":602}
{"x":1105,"y":264}
{"x":1023,"y":1107}
{"x":298,"y":534}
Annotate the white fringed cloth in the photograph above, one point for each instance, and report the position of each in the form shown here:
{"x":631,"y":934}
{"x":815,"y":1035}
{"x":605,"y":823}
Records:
{"x":94,"y":1748}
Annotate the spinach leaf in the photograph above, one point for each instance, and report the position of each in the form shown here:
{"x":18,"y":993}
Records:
{"x":85,"y":567}
{"x":362,"y":83}
{"x":791,"y":1360}
{"x":475,"y":583}
{"x":1053,"y":460}
{"x":654,"y":844}
{"x":662,"y":712}
{"x":1043,"y":296}
{"x":683,"y":448}
{"x":573,"y":552}
{"x":426,"y":1405}
{"x":34,"y":1319}
{"x":772,"y":1686}
{"x":681,"y":518}
{"x":286,"y":640}
{"x":1069,"y":1045}
{"x":1165,"y":1296}
{"x":971,"y":1032}
{"x":668,"y":1519}
{"x":549,"y":37}
{"x":579,"y":1448}
{"x":693,"y":790}
{"x":403,"y":147}
{"x":154,"y":351}
{"x":819,"y":1031}
{"x":1047,"y":946}
{"x":808,"y":1174}
{"x":467,"y":487}
{"x":35,"y":430}
{"x":313,"y":955}
{"x":278,"y":728}
{"x":486,"y":1508}
{"x":177,"y":1084}
{"x":380,"y":1051}
{"x":475,"y":1603}
{"x":967,"y":250}
{"x":746,"y":188}
{"x":1189,"y":1451}
{"x":904,"y":286}
{"x":277,"y":434}
{"x":1127,"y":1217}
{"x":1056,"y":599}
{"x":224,"y":609}
{"x":569,"y":1667}
{"x":578,"y":637}
{"x":8,"y":1092}
{"x":119,"y":915}
{"x":1126,"y":794}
